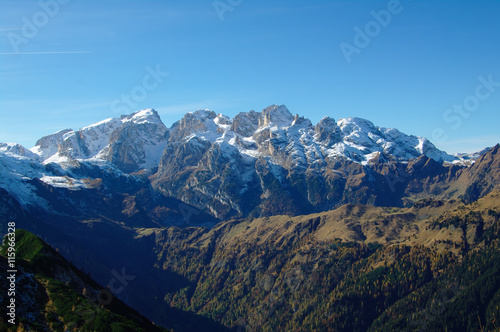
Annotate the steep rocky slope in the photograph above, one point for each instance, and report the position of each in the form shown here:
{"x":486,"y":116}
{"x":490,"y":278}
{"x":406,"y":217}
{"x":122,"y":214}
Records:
{"x":52,"y":295}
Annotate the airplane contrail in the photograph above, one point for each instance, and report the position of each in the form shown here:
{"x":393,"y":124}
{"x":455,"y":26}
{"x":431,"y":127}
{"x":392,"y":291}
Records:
{"x":31,"y":53}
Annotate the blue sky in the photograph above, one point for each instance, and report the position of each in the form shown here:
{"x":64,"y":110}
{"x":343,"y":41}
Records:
{"x":428,"y":68}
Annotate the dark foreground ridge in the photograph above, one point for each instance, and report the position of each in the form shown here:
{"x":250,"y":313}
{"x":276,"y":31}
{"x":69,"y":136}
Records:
{"x":52,"y":295}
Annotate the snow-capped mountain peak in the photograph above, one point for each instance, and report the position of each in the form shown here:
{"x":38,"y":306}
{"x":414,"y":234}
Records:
{"x":142,"y":132}
{"x":351,"y":124}
{"x":276,"y":115}
{"x":18,"y":150}
{"x":144,"y":116}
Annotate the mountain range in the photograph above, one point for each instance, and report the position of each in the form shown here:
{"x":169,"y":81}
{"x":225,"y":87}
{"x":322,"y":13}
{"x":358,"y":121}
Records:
{"x":256,"y":164}
{"x":264,"y":221}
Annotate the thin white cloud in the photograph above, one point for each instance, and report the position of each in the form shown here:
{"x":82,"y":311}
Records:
{"x":36,"y":53}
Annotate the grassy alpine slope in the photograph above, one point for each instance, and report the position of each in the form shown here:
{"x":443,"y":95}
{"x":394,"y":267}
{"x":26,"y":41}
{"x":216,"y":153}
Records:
{"x":52,"y":295}
{"x":434,"y":266}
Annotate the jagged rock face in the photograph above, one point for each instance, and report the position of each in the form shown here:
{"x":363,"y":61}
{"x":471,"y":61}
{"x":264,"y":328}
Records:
{"x":277,"y":115}
{"x":276,"y":163}
{"x":328,"y":131}
{"x":49,"y":145}
{"x":132,"y":155}
{"x":483,"y":177}
{"x":199,"y":121}
{"x":245,"y":124}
